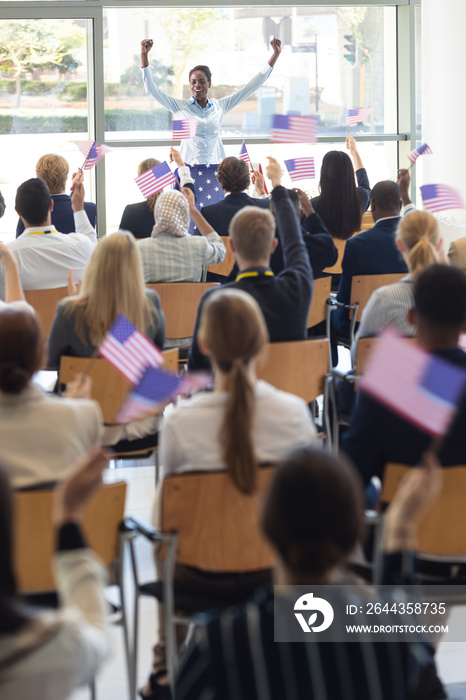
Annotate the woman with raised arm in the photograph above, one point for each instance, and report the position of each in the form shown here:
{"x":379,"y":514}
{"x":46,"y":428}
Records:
{"x":341,"y":202}
{"x":206,"y":147}
{"x":50,"y":653}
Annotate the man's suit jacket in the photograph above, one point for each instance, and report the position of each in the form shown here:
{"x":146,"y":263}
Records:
{"x":457,"y":253}
{"x":284,"y":298}
{"x":377,"y":436}
{"x":372,"y":252}
{"x":220,"y":214}
{"x":62,"y":215}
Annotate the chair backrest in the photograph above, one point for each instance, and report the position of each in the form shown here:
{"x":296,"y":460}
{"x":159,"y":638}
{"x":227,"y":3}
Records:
{"x":34,"y":533}
{"x":217,"y":525}
{"x":442,"y":528}
{"x":363,"y":286}
{"x":179,"y":303}
{"x":364,"y":350}
{"x":320,"y":294}
{"x":299,"y":367}
{"x":44,"y":302}
{"x":367,"y":221}
{"x":336,"y":268}
{"x":109,"y":387}
{"x":226,"y":266}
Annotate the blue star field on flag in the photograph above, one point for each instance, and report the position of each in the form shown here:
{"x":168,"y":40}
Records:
{"x":206,"y":186}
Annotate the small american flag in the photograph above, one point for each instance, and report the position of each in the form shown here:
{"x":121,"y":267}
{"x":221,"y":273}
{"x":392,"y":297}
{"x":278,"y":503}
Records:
{"x":301,"y":168}
{"x":423,"y":149}
{"x":244,"y":155}
{"x":92,"y":152}
{"x":440,"y":197}
{"x":129,"y":351}
{"x":155,"y":179}
{"x":293,"y":129}
{"x":357,"y":115}
{"x":422,"y":388}
{"x":184,"y":128}
{"x":154,"y":388}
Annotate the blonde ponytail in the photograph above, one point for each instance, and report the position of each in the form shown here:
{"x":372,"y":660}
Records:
{"x":421,"y":255}
{"x":420,"y":235}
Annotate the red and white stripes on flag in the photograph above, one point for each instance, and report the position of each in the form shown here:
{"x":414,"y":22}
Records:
{"x":244,"y":155}
{"x":184,"y":128}
{"x":155,"y":179}
{"x":129,"y":351}
{"x":290,"y":128}
{"x":440,"y":197}
{"x":92,"y":152}
{"x":301,"y":168}
{"x":357,"y":115}
{"x":423,"y":149}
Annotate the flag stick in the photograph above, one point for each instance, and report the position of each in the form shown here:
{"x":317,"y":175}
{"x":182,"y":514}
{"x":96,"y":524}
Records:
{"x":410,"y":166}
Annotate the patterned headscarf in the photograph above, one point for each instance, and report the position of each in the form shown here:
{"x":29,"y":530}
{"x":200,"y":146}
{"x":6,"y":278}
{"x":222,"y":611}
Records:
{"x":171,"y":214}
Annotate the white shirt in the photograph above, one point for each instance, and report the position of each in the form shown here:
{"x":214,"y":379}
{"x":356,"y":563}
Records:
{"x":206,"y":146}
{"x":41,"y":435}
{"x":45,"y":258}
{"x":190,"y":434}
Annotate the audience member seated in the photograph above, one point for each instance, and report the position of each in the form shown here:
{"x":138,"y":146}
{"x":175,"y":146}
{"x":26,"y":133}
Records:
{"x":242,"y":424}
{"x":341,"y":204}
{"x":284,"y":299}
{"x":44,"y":255}
{"x":40,"y":435}
{"x":139,"y":218}
{"x":312,"y":518}
{"x":171,"y":254}
{"x":419,"y":242}
{"x":54,"y":170}
{"x":377,"y":436}
{"x":54,"y":650}
{"x":234,"y":178}
{"x":372,"y":252}
{"x":112,"y":285}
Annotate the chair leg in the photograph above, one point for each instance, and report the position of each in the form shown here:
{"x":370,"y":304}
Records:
{"x":92,"y":689}
{"x":157,"y":467}
{"x":124,"y":622}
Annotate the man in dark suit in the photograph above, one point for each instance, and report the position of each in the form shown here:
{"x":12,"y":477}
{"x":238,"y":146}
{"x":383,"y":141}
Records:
{"x":284,"y":298}
{"x":233,"y":176}
{"x":376,"y":435}
{"x":372,"y":252}
{"x":54,"y":170}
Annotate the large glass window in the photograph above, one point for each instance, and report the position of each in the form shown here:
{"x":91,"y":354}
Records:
{"x":43,"y":100}
{"x":333,"y":58}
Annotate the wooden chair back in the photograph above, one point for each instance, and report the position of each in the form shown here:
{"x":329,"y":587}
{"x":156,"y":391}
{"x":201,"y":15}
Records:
{"x":442,"y":528}
{"x":35,"y":533}
{"x":299,"y":367}
{"x":363,"y":286}
{"x":320,"y":294}
{"x":179,"y":303}
{"x":109,"y":387}
{"x":367,"y":221}
{"x":364,"y":350}
{"x":44,"y":302}
{"x":336,"y":268}
{"x":217,"y":525}
{"x":226,"y":266}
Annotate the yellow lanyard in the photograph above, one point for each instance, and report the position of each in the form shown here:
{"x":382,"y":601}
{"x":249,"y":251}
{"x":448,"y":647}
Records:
{"x":254,"y":273}
{"x":33,"y":233}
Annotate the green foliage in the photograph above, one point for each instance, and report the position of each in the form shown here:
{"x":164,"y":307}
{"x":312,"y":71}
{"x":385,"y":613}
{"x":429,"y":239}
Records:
{"x":115,"y":120}
{"x":160,"y":73}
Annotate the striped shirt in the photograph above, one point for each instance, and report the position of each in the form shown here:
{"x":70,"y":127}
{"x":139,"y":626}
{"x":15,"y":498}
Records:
{"x":387,"y":307}
{"x":233,"y":656}
{"x":167,"y":258}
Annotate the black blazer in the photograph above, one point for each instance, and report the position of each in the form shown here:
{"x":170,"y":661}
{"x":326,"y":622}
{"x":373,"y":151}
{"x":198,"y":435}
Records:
{"x":284,"y":298}
{"x":62,"y":215}
{"x":220,"y":214}
{"x":138,"y":219}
